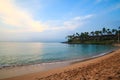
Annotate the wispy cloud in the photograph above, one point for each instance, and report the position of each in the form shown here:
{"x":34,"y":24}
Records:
{"x":117,"y":6}
{"x":12,"y":15}
{"x":71,"y":24}
{"x":83,"y":17}
{"x":76,"y":22}
{"x":99,"y":1}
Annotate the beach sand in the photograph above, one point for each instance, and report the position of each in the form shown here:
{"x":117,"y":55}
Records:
{"x":106,"y":67}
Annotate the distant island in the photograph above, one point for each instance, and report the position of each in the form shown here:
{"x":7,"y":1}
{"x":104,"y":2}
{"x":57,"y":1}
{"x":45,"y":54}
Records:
{"x":104,"y":36}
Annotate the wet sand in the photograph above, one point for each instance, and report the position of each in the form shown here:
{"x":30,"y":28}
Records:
{"x":12,"y":71}
{"x":106,"y":67}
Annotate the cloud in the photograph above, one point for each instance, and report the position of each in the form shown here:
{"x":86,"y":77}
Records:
{"x":77,"y":21}
{"x":83,"y":17}
{"x":20,"y":20}
{"x":17,"y":24}
{"x":117,"y":6}
{"x":71,"y":24}
{"x":99,"y":1}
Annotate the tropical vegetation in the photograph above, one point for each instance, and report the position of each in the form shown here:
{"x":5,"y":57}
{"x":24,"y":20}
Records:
{"x":104,"y":36}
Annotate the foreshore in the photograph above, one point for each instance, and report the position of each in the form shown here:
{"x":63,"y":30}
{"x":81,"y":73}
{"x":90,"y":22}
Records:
{"x":101,"y":68}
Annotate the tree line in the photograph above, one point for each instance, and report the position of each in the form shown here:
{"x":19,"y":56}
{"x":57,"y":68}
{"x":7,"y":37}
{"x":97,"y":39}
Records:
{"x":104,"y":35}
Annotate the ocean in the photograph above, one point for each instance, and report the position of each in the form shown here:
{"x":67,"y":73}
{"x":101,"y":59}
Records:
{"x":27,"y":53}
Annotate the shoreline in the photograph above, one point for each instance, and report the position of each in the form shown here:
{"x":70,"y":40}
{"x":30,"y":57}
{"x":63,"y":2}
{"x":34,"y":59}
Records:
{"x":68,"y":67}
{"x":42,"y":67}
{"x":62,"y":61}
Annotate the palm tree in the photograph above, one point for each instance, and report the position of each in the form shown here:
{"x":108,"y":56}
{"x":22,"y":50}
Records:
{"x":105,"y":34}
{"x":97,"y":33}
{"x":104,"y":31}
{"x":113,"y":31}
{"x":69,"y":37}
{"x":108,"y":31}
{"x":100,"y":32}
{"x":92,"y":33}
{"x":77,"y":34}
{"x":86,"y":34}
{"x":82,"y":36}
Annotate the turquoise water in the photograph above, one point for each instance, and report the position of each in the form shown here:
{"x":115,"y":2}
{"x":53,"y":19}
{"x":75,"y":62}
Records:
{"x":14,"y":53}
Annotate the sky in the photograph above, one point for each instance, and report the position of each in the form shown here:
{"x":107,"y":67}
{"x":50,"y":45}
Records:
{"x":53,"y":20}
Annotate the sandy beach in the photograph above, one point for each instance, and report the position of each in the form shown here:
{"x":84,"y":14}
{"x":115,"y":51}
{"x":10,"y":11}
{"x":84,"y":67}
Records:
{"x":102,"y":68}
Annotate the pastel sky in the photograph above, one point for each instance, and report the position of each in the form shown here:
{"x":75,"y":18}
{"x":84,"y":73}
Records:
{"x":53,"y":20}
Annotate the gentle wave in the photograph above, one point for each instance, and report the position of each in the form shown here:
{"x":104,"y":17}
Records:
{"x":58,"y":61}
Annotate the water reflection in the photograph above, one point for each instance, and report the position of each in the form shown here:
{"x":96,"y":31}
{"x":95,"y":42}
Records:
{"x":13,"y":53}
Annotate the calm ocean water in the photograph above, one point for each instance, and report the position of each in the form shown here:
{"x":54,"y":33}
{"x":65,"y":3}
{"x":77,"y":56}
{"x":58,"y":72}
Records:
{"x":18,"y":53}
